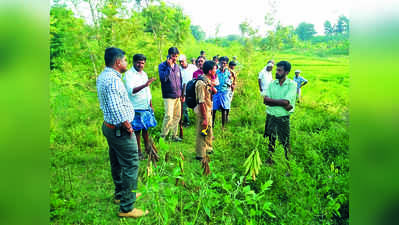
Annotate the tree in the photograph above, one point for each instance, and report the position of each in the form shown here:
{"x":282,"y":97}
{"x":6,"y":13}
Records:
{"x":67,"y":37}
{"x":166,"y":23}
{"x":328,"y":28}
{"x":342,"y":25}
{"x":305,"y":31}
{"x":197,"y":32}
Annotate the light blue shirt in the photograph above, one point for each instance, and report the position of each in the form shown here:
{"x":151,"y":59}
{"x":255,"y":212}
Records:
{"x":113,"y":98}
{"x":299,"y":80}
{"x":286,"y":91}
{"x":224,"y":80}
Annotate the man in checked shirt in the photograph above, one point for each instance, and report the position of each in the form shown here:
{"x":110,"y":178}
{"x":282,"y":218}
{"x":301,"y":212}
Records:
{"x":118,"y":115}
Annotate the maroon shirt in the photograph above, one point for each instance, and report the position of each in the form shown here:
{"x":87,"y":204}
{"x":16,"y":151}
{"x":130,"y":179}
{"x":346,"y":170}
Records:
{"x":197,"y":73}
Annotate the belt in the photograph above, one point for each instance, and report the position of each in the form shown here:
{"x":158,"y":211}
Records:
{"x":109,"y":125}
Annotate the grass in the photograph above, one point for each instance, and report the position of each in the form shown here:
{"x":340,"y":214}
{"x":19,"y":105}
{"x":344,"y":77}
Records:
{"x":316,"y":192}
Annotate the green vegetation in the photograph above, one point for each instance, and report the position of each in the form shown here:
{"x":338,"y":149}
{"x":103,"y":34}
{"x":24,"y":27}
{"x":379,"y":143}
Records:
{"x":81,"y":188}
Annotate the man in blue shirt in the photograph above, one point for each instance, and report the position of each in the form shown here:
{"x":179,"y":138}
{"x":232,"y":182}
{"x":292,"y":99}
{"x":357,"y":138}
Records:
{"x":221,"y":100}
{"x":117,"y":128}
{"x":300,"y":81}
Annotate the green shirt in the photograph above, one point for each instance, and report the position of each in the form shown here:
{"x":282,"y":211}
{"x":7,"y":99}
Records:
{"x":287,"y":91}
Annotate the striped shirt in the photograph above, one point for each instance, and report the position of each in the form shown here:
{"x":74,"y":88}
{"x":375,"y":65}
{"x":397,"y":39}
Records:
{"x":113,"y":97}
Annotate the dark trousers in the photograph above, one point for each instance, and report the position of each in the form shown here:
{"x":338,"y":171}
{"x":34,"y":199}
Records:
{"x":278,"y":127}
{"x":124,"y":160}
{"x":186,"y":119}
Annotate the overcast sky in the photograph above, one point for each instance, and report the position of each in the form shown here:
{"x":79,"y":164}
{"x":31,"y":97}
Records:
{"x":230,"y":13}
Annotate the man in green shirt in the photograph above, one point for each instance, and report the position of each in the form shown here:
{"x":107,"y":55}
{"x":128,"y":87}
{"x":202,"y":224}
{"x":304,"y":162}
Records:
{"x":280,"y":99}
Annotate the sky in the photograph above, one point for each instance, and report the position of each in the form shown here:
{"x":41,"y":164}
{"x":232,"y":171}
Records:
{"x":230,"y":13}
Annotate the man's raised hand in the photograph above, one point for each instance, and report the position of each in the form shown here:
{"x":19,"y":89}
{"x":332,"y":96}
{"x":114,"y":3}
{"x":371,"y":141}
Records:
{"x":150,"y":81}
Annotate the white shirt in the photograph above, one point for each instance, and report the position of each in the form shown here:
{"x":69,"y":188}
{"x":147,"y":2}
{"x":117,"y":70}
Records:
{"x":187,"y":73}
{"x":266,"y":78}
{"x":133,"y":79}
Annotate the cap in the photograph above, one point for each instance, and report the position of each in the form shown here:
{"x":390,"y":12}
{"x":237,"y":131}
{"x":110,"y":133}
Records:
{"x":297,"y":71}
{"x":182,"y":57}
{"x":269,"y":64}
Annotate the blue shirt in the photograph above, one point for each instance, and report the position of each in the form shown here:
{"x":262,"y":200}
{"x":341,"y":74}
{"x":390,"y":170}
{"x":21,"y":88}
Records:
{"x":299,"y":80}
{"x":224,"y":80}
{"x":112,"y":94}
{"x":171,"y":80}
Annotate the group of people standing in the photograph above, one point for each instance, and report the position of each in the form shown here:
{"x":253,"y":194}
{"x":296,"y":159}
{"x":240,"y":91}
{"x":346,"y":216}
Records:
{"x":126,"y":103}
{"x":127,"y":106}
{"x":214,"y":91}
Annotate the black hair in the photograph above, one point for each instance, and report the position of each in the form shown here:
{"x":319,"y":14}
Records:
{"x":232,"y":63}
{"x":173,"y":51}
{"x":285,"y":64}
{"x":224,"y":59}
{"x":208,"y":66}
{"x":201,"y":57}
{"x":112,"y":54}
{"x":215,"y":57}
{"x":139,"y":57}
{"x":202,"y":52}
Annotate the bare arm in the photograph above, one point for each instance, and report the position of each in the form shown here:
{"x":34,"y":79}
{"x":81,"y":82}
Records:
{"x":275,"y":102}
{"x":139,"y":88}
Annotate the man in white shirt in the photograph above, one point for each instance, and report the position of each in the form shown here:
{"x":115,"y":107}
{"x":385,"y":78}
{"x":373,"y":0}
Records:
{"x":137,"y":84}
{"x":187,"y":71}
{"x":265,"y":78}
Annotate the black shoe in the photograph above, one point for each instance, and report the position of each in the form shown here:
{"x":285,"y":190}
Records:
{"x":199,"y":158}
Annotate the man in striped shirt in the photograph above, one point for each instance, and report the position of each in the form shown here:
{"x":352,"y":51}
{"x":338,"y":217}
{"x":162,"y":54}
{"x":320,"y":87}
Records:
{"x":117,"y":128}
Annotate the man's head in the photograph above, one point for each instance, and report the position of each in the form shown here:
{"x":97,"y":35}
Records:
{"x":202,"y":53}
{"x":201,"y":61}
{"x":283,"y":68}
{"x":139,"y":62}
{"x":270,"y":61}
{"x":209,"y":68}
{"x":269,"y":67}
{"x":173,"y":53}
{"x":183,"y":61}
{"x":193,"y":61}
{"x":297,"y":72}
{"x":115,"y":58}
{"x":215,"y":59}
{"x":223,"y":62}
{"x":232,"y":65}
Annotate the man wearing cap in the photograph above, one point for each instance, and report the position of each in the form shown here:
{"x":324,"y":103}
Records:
{"x":265,"y":78}
{"x":300,"y":81}
{"x":187,"y":71}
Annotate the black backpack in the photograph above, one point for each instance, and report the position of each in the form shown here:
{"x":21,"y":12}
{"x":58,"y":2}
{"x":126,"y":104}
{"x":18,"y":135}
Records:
{"x":191,"y":98}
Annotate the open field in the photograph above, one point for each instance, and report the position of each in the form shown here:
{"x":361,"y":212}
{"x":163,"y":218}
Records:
{"x":316,"y":192}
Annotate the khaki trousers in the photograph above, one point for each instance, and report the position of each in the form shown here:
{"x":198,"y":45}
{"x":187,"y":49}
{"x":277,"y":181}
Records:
{"x":203,"y":143}
{"x":172,"y":116}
